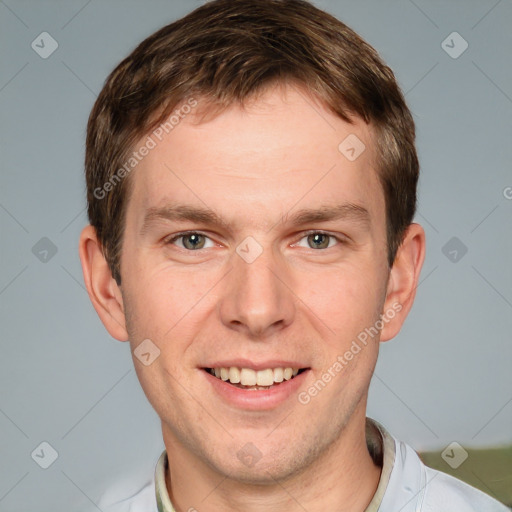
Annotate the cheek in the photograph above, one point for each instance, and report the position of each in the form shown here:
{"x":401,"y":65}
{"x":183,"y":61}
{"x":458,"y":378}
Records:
{"x":168,"y":307}
{"x":347,"y":298}
{"x":158,"y":297}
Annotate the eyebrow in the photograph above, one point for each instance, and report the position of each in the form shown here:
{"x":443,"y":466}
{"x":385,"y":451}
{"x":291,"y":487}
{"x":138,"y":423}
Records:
{"x":344,"y":211}
{"x":180,"y":212}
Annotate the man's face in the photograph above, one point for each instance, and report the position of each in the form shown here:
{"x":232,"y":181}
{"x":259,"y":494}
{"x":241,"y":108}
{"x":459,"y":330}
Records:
{"x":263,"y":289}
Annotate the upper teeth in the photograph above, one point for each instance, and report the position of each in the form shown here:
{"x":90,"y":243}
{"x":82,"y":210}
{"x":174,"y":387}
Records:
{"x":250,"y":377}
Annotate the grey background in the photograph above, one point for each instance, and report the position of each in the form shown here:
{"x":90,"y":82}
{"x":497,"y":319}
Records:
{"x":63,"y":380}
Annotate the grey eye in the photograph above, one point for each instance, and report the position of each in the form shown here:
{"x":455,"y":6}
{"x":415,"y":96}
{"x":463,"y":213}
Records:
{"x":193,"y":241}
{"x":319,"y":241}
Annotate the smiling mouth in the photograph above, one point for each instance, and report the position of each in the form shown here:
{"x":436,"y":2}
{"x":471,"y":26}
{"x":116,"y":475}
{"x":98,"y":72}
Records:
{"x":249,"y":379}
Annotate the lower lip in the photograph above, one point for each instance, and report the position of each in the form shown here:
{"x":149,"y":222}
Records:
{"x":254,"y":399}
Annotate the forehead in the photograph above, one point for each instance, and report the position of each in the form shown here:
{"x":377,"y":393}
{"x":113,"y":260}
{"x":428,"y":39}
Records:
{"x":279,"y":151}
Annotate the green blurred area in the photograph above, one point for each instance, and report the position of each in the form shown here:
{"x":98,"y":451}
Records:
{"x":489,"y":470}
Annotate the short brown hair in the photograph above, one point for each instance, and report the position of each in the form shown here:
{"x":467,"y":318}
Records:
{"x":225,"y":52}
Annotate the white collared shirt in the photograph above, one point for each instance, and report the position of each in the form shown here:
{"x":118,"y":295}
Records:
{"x":405,"y":485}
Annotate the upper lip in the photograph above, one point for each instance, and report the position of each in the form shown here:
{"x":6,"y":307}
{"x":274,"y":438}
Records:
{"x":262,"y":365}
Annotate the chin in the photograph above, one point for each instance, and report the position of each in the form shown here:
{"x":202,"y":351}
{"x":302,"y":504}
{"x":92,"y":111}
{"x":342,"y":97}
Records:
{"x":265,"y":465}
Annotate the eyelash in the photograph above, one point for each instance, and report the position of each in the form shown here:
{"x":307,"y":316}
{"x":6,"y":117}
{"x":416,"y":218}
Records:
{"x":182,"y":234}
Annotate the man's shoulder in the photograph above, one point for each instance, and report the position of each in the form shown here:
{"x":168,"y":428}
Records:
{"x":443,"y":489}
{"x":414,"y":487}
{"x":132,"y":495}
{"x":125,"y":498}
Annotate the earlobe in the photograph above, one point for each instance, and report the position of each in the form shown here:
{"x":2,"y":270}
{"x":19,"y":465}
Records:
{"x":103,"y":290}
{"x":403,"y":281}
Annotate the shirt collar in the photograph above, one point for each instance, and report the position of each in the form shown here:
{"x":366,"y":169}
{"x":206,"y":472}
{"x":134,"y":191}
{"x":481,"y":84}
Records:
{"x":381,"y":446}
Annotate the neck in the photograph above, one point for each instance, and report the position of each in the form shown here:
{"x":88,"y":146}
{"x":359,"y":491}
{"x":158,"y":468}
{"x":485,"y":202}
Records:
{"x":343,"y":478}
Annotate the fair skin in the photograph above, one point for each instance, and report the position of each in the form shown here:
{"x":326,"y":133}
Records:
{"x":299,"y":301}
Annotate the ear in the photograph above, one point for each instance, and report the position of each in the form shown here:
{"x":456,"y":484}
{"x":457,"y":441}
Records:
{"x":103,"y":290}
{"x":403,"y":281}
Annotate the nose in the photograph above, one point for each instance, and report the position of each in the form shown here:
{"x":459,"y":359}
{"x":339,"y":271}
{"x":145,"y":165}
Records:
{"x":257,"y":300}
